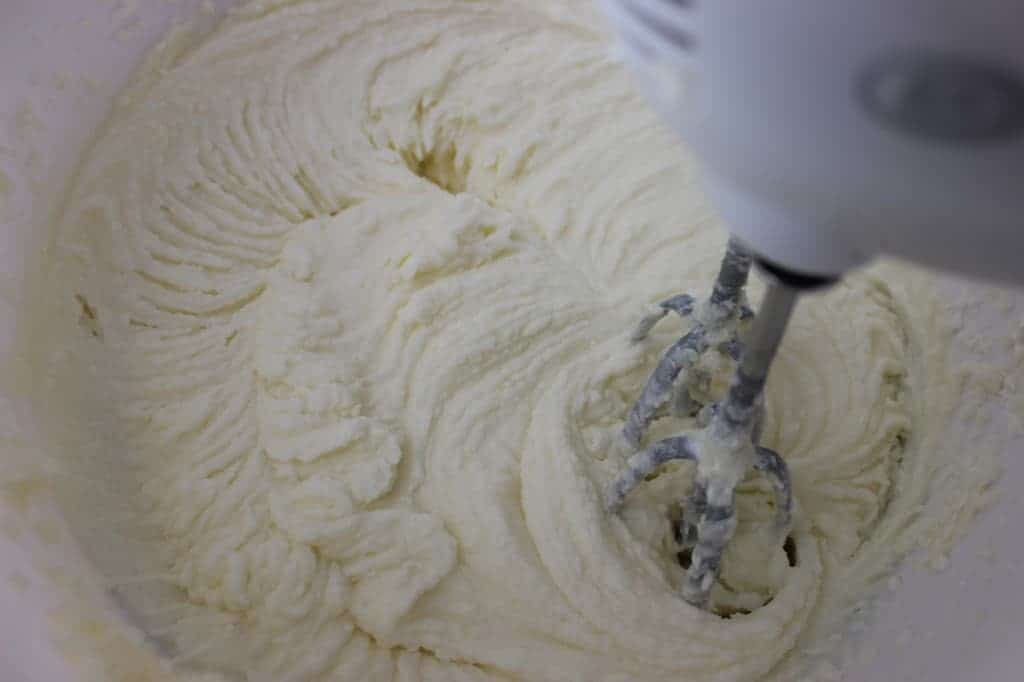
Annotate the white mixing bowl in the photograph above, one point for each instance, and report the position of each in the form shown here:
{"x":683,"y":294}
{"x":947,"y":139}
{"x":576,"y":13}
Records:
{"x":60,"y":63}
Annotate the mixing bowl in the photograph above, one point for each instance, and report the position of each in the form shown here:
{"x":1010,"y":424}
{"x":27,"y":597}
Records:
{"x":61,"y":62}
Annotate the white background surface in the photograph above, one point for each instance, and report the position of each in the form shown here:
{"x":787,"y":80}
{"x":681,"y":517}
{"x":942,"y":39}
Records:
{"x":964,"y":624}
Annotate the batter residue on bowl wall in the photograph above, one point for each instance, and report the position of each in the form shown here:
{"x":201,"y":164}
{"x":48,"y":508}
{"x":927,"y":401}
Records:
{"x":339,"y":340}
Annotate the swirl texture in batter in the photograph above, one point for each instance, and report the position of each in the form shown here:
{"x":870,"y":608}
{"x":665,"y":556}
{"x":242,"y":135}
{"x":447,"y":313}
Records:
{"x":351,"y":284}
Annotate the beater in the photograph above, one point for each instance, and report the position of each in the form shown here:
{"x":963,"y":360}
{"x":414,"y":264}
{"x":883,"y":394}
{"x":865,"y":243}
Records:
{"x":829,"y":133}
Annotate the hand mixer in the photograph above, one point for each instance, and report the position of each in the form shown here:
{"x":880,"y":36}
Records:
{"x":830,"y":132}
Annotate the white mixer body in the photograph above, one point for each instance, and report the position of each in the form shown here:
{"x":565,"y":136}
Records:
{"x":831,"y":132}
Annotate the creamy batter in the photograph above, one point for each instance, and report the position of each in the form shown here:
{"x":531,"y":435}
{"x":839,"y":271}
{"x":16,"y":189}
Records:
{"x":341,"y":346}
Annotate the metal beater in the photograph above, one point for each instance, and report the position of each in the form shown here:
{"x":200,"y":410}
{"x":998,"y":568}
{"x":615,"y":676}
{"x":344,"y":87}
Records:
{"x":726,"y":446}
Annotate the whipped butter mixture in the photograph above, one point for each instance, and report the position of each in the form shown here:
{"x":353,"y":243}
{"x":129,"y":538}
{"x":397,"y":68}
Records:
{"x":341,"y":350}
